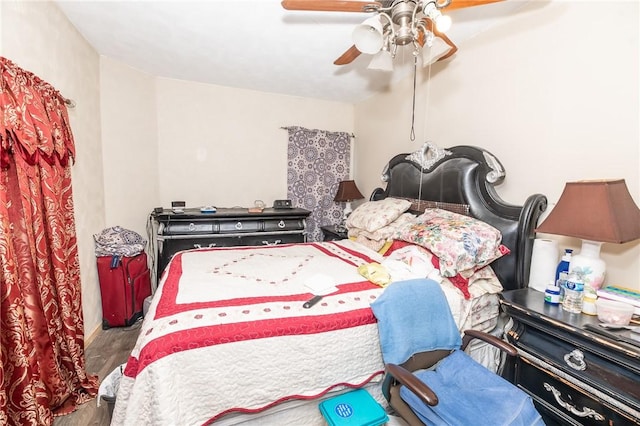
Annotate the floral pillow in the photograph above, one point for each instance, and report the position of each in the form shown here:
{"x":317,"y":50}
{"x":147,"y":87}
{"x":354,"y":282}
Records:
{"x":462,"y":244}
{"x":475,"y":282}
{"x":373,"y":215}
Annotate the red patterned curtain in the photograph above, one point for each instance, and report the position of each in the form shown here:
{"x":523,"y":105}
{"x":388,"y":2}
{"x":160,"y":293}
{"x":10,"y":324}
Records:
{"x":41,"y":325}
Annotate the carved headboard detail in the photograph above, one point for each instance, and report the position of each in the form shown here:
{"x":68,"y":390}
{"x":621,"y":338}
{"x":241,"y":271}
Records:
{"x":467,"y":175}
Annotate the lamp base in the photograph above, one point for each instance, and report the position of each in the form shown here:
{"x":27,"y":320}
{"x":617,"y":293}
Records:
{"x":589,"y":265}
{"x":345,"y":214}
{"x":347,"y":209}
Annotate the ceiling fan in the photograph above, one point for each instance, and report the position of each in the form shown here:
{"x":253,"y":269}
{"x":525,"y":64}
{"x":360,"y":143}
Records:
{"x":394,"y":23}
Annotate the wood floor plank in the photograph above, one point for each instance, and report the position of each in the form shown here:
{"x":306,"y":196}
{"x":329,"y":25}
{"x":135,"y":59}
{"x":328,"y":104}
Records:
{"x":108,"y":350}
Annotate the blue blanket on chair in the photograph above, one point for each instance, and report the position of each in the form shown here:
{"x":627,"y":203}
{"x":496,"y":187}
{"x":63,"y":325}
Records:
{"x":414,"y":316}
{"x":469,"y":394}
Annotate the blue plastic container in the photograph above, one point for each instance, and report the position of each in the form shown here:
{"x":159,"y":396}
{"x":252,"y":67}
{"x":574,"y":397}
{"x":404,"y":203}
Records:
{"x":354,"y":408}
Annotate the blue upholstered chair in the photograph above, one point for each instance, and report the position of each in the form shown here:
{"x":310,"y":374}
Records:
{"x":430,"y":379}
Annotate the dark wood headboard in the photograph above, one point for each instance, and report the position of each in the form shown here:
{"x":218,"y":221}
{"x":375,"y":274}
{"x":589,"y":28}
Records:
{"x":468,"y":175}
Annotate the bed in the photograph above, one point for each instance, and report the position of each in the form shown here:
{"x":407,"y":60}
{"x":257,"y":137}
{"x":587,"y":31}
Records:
{"x":226,"y":339}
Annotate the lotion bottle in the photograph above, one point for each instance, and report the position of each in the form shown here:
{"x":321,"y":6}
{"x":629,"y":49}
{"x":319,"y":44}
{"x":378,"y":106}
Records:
{"x":562,"y":271}
{"x":563,"y":267}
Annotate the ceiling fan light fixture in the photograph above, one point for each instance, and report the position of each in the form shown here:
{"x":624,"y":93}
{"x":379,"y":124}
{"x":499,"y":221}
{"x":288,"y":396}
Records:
{"x":381,"y":61}
{"x":368,"y":36}
{"x":443,"y":22}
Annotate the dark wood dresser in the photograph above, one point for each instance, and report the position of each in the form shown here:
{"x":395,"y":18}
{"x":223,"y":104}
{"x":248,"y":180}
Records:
{"x":575,"y":376}
{"x":224,"y":228}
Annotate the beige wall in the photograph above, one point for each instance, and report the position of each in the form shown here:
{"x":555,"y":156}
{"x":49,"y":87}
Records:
{"x":225,"y":147}
{"x":553,"y":93}
{"x":129,"y":145}
{"x":38,"y":38}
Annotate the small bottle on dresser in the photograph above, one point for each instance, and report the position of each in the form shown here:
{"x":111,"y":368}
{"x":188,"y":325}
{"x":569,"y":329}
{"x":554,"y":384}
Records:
{"x":552,"y":294}
{"x":562,"y":271}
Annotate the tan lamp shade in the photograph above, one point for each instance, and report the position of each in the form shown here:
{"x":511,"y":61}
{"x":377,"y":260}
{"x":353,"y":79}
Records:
{"x":595,"y":210}
{"x":347,"y":191}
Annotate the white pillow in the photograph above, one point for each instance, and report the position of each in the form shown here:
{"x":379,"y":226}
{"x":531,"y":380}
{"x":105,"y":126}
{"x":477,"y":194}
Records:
{"x":373,"y":215}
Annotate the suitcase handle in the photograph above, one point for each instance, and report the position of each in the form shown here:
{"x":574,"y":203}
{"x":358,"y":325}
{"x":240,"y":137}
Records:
{"x":115,"y":261}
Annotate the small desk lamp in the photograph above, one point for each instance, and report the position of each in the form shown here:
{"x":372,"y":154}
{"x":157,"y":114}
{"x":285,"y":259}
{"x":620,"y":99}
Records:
{"x":596,"y":211}
{"x":347,"y":192}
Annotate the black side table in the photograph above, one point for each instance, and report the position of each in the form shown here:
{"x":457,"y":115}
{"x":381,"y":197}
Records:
{"x":332,"y":233}
{"x":576,"y":376}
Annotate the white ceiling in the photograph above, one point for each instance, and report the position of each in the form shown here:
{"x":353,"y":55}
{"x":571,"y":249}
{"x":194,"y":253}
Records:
{"x":252,"y":44}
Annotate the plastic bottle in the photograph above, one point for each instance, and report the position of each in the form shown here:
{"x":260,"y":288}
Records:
{"x":562,"y":271}
{"x":573,"y":293}
{"x":563,"y":266}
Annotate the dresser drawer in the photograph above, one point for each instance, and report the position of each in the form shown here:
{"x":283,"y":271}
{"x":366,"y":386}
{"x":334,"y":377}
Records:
{"x":238,"y":226}
{"x":284,"y":225}
{"x":184,"y":227}
{"x":272,"y":239}
{"x":178,"y":244}
{"x":564,"y":399}
{"x":579,"y":361}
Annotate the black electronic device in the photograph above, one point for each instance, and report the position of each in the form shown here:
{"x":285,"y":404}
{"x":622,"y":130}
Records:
{"x":158,"y":210}
{"x":282,"y":204}
{"x":178,"y":206}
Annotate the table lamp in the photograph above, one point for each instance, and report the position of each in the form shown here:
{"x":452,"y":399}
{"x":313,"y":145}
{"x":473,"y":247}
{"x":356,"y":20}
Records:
{"x":346,"y":193}
{"x":596,"y":211}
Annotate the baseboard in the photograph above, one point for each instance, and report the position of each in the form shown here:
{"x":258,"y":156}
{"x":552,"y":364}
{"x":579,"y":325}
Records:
{"x":91,"y":337}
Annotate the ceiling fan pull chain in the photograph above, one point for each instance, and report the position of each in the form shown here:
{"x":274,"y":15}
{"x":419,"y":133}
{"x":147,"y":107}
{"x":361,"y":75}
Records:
{"x":413,"y":107}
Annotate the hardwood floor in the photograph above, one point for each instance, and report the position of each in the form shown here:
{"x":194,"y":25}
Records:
{"x":108,"y":350}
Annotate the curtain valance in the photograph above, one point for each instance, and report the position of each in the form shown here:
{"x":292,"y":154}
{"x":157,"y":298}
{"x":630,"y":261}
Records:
{"x":33,"y":119}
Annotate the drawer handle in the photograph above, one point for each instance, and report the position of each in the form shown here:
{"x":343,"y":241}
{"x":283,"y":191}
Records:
{"x":578,"y":356}
{"x":239,"y":226}
{"x":275,"y":243}
{"x":585,"y":412}
{"x":192,"y":226}
{"x":281,"y":224}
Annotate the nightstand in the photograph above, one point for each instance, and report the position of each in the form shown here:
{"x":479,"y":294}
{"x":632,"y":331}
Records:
{"x":332,"y":233}
{"x":575,"y":376}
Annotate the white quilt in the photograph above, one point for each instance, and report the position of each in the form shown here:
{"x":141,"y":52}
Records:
{"x":227,"y":333}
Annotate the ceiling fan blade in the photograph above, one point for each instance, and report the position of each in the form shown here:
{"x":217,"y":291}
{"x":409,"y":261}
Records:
{"x":451,"y":51}
{"x":461,"y":4}
{"x":348,"y":56}
{"x":331,"y":5}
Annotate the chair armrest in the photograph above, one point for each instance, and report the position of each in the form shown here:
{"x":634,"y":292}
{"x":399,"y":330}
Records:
{"x":414,"y":384}
{"x":469,"y":335}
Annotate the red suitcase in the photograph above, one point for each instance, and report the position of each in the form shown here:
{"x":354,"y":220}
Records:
{"x":124,"y":284}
